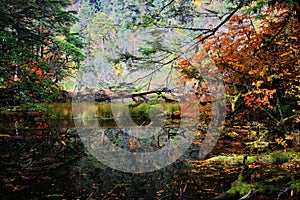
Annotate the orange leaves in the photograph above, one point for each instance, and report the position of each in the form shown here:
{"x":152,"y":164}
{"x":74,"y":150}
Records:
{"x":42,"y":125}
{"x":159,"y":193}
{"x":255,"y":56}
{"x":183,"y":63}
{"x":259,"y":53}
{"x":131,"y":143}
{"x":37,"y":71}
{"x":259,"y":99}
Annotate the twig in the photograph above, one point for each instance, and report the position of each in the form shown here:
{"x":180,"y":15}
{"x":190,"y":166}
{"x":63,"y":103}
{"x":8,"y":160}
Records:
{"x":214,"y":30}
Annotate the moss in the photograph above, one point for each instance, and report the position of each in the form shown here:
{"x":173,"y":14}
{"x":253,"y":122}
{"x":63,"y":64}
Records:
{"x":233,"y":158}
{"x":239,"y":187}
{"x":54,"y":195}
{"x":266,"y":188}
{"x":277,"y":157}
{"x":276,"y":179}
{"x":280,"y":157}
{"x":219,"y":158}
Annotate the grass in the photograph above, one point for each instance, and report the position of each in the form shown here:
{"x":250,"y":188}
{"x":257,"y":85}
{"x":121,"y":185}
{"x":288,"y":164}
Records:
{"x":59,"y":110}
{"x":103,"y":110}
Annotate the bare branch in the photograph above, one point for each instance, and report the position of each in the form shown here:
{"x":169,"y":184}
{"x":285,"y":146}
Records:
{"x":213,"y":31}
{"x":164,"y":7}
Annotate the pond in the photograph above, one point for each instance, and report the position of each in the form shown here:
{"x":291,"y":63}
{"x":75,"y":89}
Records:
{"x":47,"y":159}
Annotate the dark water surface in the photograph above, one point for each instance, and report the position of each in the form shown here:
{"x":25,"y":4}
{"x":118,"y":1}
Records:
{"x":47,"y":160}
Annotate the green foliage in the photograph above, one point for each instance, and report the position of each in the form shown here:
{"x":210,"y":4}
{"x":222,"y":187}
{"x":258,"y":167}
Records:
{"x":32,"y":107}
{"x":295,"y":185}
{"x":37,"y":48}
{"x":54,"y":195}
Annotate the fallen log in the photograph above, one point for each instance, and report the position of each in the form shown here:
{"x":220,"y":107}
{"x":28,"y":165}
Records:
{"x":164,"y":93}
{"x":105,"y":95}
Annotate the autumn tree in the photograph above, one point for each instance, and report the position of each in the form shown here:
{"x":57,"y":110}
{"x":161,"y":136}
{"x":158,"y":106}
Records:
{"x":257,"y":53}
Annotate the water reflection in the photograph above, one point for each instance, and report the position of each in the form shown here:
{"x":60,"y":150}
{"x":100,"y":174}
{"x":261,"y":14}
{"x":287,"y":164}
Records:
{"x":48,"y":160}
{"x":51,"y":162}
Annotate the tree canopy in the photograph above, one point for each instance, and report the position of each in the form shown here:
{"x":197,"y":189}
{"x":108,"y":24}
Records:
{"x":37,"y":47}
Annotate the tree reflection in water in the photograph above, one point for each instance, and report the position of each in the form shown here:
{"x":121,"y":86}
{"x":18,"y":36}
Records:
{"x":55,"y":164}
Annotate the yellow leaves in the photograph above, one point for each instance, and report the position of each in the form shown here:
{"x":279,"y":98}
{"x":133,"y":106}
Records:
{"x":199,"y":134}
{"x":119,"y":68}
{"x":266,"y":25}
{"x":269,"y":78}
{"x":297,"y":119}
{"x":258,"y":83}
{"x":281,"y":142}
{"x":119,"y":72}
{"x":63,"y":143}
{"x":280,"y":42}
{"x":197,"y":3}
{"x":251,"y":71}
{"x":293,"y":38}
{"x":284,"y":54}
{"x":233,"y":99}
{"x":233,"y":134}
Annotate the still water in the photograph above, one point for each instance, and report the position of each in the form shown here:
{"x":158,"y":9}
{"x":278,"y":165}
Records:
{"x":48,"y":160}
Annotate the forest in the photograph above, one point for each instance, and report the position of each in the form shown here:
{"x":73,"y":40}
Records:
{"x":150,"y":99}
